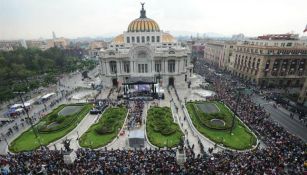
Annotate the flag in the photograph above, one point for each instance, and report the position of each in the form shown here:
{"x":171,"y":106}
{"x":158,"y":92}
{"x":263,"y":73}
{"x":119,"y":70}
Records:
{"x":305,"y":29}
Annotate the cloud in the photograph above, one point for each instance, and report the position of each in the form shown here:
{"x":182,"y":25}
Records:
{"x":30,"y":19}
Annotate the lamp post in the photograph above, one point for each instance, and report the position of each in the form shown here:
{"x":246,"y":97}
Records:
{"x":28,"y":117}
{"x":236,"y":108}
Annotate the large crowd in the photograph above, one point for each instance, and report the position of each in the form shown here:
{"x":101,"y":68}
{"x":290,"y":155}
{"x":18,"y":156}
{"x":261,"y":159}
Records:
{"x":280,"y":153}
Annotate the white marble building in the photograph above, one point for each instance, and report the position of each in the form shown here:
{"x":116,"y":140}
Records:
{"x":146,"y":52}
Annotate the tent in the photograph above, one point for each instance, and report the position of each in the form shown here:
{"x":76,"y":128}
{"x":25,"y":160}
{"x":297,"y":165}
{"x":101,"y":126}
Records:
{"x":136,"y":138}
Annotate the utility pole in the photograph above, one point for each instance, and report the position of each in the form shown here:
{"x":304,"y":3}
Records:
{"x":30,"y":120}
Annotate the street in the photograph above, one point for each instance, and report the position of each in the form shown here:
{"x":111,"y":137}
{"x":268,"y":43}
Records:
{"x":282,"y":117}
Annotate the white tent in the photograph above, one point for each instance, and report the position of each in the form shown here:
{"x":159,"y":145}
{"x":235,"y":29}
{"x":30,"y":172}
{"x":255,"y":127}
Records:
{"x":136,"y":138}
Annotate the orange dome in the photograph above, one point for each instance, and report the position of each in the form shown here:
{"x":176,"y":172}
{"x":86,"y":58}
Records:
{"x":143,"y":24}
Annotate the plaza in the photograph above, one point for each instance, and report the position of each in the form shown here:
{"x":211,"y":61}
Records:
{"x":148,"y":108}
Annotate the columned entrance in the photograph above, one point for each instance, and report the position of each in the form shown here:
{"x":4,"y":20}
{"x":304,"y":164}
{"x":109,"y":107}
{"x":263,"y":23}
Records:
{"x":171,"y":81}
{"x":115,"y":82}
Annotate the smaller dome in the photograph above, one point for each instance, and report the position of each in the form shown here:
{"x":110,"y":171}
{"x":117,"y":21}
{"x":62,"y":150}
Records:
{"x":119,"y":39}
{"x":167,"y":38}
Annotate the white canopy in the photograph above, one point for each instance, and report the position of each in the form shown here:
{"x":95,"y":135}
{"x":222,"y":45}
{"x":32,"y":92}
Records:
{"x":48,"y":95}
{"x":16,"y":106}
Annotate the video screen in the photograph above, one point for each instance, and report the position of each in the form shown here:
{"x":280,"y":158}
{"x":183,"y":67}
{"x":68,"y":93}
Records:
{"x":142,"y":87}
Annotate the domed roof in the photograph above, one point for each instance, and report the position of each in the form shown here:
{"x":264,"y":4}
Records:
{"x":167,"y":38}
{"x":119,"y":39}
{"x":143,"y":24}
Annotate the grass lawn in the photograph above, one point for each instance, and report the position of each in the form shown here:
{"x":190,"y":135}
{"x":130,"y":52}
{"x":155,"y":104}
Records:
{"x":111,"y":121}
{"x":241,"y":138}
{"x":160,"y":128}
{"x":27,"y":140}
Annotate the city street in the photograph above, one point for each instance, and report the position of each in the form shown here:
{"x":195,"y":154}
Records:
{"x":282,"y":116}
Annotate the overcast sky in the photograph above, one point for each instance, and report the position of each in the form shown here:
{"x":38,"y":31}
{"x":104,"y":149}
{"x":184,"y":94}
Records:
{"x":32,"y":19}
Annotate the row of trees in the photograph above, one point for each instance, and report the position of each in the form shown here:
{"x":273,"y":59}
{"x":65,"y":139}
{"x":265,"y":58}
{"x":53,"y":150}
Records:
{"x":26,"y":69}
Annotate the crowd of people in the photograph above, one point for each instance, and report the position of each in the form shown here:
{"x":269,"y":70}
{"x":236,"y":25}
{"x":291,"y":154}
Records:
{"x":280,"y":153}
{"x":92,"y":162}
{"x":135,"y":114}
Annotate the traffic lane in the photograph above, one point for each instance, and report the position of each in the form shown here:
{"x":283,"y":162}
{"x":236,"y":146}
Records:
{"x":283,"y":119}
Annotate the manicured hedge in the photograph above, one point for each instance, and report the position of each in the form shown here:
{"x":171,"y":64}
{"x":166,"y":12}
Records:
{"x":160,"y":128}
{"x":110,"y":122}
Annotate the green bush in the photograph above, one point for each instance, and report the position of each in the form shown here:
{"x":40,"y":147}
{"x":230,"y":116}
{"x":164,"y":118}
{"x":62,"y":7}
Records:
{"x":53,"y":117}
{"x":107,"y":128}
{"x":111,"y":121}
{"x":161,"y":129}
{"x":160,"y":121}
{"x":60,"y":119}
{"x":104,"y":130}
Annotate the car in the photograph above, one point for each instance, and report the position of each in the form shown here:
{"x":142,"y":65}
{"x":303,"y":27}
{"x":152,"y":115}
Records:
{"x":95,"y":111}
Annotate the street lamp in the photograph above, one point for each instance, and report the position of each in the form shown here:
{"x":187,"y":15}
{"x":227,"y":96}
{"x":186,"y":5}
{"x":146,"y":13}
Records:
{"x":30,"y":120}
{"x":236,"y":108}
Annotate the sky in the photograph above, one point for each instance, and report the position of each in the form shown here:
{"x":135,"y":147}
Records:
{"x":34,"y":19}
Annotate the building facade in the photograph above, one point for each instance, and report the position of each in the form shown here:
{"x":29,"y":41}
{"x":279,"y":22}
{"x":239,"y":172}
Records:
{"x":9,"y":45}
{"x":272,"y":60}
{"x":218,"y":53}
{"x":145,"y":51}
{"x":303,"y":93}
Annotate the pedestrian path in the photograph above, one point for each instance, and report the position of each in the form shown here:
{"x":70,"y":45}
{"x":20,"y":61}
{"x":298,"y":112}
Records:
{"x":191,"y":136}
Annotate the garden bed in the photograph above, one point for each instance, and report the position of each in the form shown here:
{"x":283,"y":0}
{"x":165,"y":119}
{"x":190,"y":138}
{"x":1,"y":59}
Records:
{"x":27,"y":140}
{"x":160,"y":128}
{"x":107,"y":128}
{"x":240,"y":138}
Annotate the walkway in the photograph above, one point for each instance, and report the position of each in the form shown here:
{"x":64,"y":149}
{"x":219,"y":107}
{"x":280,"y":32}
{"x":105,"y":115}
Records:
{"x":191,"y":137}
